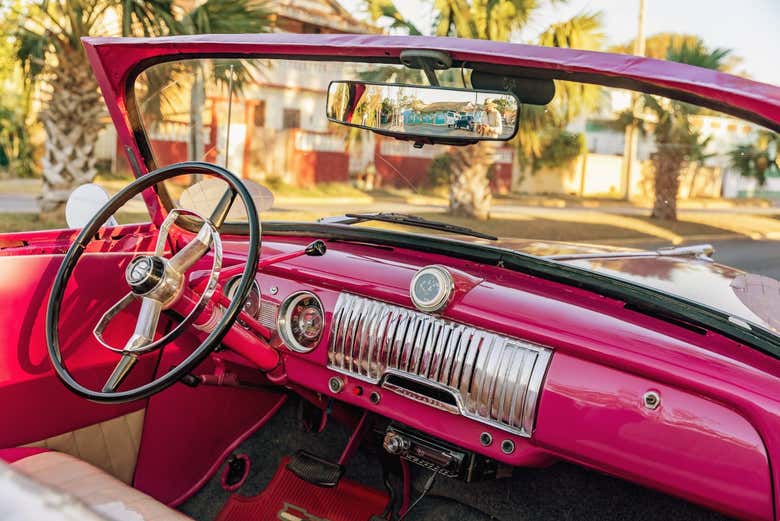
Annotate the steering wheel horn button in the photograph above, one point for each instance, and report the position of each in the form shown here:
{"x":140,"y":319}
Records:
{"x":144,"y":273}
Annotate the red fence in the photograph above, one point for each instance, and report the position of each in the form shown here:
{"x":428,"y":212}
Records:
{"x":314,"y":157}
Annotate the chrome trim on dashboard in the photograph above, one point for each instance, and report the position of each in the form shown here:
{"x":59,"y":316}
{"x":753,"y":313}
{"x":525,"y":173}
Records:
{"x":494,"y":379}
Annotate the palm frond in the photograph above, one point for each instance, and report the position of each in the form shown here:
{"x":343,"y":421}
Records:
{"x":379,"y":9}
{"x":583,"y":31}
{"x":226,"y":17}
{"x":147,"y":17}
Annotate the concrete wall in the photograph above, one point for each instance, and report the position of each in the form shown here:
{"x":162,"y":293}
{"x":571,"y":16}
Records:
{"x":601,"y":175}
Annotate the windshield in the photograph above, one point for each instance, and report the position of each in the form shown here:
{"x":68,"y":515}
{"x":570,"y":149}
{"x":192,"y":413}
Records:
{"x":595,"y":174}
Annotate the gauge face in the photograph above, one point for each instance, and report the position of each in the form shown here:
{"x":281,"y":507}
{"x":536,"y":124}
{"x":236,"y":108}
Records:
{"x":301,"y":322}
{"x":252,"y":303}
{"x":431,"y":288}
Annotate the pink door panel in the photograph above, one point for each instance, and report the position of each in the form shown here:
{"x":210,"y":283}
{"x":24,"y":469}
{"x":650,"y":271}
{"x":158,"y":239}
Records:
{"x":687,"y":446}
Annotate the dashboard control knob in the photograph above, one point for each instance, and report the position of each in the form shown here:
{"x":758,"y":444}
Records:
{"x":395,"y":444}
{"x":335,"y":384}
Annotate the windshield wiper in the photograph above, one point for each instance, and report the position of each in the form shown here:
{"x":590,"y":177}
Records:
{"x":405,"y":219}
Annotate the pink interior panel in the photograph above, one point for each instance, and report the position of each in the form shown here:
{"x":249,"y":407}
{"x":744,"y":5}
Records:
{"x":17,"y":453}
{"x":689,"y":446}
{"x":189,"y":432}
{"x":34,"y":400}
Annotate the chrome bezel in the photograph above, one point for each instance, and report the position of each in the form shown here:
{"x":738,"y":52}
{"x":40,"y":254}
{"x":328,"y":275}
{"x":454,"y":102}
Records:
{"x":283,"y":321}
{"x":446,"y":284}
{"x":231,"y":282}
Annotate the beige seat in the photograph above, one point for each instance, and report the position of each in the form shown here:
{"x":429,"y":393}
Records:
{"x":101,"y":492}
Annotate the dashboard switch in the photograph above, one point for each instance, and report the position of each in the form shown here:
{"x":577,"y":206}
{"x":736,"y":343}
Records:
{"x":335,"y":384}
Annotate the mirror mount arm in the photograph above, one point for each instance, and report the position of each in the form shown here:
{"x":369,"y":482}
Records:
{"x":431,"y":75}
{"x":428,"y":61}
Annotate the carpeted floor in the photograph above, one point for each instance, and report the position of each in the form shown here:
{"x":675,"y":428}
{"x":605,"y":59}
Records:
{"x":560,"y":492}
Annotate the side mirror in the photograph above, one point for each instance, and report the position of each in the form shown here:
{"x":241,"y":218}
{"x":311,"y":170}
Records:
{"x":84,"y":202}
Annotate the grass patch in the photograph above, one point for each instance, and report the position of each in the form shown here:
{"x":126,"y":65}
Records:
{"x":281,"y":189}
{"x":541,"y":228}
{"x":28,"y":222}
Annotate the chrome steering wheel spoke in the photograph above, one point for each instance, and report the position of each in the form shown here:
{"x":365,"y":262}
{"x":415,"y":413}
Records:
{"x":119,"y":373}
{"x":166,"y":290}
{"x":159,"y":282}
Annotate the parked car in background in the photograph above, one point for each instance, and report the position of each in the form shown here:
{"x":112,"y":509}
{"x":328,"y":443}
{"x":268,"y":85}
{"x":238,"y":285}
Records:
{"x":465,"y":122}
{"x":452,"y":117}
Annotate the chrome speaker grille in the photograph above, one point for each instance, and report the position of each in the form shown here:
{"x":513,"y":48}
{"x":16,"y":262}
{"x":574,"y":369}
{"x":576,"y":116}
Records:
{"x":493,"y":379}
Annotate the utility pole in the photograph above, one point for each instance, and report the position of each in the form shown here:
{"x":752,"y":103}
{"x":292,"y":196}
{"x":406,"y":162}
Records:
{"x":632,"y":130}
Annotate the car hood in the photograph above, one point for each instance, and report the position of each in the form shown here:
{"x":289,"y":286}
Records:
{"x":680,"y":272}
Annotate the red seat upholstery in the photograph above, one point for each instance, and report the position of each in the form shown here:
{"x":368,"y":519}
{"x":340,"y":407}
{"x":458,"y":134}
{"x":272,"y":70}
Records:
{"x":17,"y":453}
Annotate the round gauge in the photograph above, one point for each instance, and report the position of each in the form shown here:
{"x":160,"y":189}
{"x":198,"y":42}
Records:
{"x":431,"y":288}
{"x":252,"y":303}
{"x":301,"y":321}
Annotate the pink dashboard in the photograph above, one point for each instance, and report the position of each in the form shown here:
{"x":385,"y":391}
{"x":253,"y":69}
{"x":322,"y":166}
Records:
{"x":525,"y":371}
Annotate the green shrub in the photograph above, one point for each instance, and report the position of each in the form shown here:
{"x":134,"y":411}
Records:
{"x":440,"y":171}
{"x":559,"y":149}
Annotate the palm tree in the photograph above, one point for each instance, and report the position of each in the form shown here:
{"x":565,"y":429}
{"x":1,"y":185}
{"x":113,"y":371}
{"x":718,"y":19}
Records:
{"x":759,"y":158}
{"x":677,"y":141}
{"x":49,"y":47}
{"x":498,"y":20}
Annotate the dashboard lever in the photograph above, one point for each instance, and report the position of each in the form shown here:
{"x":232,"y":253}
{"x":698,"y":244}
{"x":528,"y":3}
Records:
{"x":316,"y":248}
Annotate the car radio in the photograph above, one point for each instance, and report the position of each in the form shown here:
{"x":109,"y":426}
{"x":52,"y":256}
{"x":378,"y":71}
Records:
{"x":436,"y":455}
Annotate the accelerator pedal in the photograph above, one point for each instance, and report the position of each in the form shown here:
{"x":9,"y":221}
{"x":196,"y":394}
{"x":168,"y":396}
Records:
{"x":291,"y":498}
{"x":315,"y":470}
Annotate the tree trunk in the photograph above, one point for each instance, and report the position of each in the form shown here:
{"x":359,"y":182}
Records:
{"x":667,"y":183}
{"x":72,"y":121}
{"x":469,"y":186}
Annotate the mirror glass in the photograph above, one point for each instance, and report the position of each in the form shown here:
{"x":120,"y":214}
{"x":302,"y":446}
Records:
{"x":84,"y":202}
{"x":436,"y":114}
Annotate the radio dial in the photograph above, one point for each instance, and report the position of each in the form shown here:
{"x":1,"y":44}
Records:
{"x":395,"y":444}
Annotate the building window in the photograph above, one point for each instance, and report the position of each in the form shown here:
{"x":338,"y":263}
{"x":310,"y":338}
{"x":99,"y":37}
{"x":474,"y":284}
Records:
{"x":260,"y":113}
{"x":291,"y":118}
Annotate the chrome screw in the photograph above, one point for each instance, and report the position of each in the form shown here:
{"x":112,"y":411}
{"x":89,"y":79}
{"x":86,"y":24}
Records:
{"x":651,"y":400}
{"x":274,"y":290}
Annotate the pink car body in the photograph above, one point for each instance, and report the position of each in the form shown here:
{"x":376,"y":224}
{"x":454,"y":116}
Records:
{"x":713,"y":438}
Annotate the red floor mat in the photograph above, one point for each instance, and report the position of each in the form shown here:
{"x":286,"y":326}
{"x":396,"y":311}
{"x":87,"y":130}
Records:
{"x":289,"y":498}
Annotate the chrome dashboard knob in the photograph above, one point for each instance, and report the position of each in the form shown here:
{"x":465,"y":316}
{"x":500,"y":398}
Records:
{"x":395,"y":444}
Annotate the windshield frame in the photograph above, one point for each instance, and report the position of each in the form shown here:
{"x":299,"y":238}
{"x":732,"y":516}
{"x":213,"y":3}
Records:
{"x":648,"y":300}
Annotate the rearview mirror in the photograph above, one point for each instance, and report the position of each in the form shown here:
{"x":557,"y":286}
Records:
{"x":424,"y":114}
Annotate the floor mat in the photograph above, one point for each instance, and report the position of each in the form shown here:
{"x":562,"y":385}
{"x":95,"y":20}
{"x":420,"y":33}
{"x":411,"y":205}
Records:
{"x":555,"y":493}
{"x":289,"y":498}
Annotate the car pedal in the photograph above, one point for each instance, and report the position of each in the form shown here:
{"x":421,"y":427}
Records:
{"x":315,"y":470}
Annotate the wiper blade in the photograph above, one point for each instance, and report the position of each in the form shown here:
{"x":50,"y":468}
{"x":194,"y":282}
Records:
{"x":408,"y":220}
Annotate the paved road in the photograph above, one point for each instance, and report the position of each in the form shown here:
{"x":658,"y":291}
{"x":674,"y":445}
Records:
{"x":18,"y":203}
{"x":762,"y":257}
{"x":754,"y":256}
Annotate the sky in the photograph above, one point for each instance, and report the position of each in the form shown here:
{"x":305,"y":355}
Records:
{"x":751,"y":28}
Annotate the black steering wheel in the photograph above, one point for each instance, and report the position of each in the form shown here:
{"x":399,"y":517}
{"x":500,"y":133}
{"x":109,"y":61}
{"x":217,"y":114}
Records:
{"x":159,"y":283}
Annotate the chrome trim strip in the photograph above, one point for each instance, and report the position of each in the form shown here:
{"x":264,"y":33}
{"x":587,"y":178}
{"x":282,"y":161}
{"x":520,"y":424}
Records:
{"x":494,"y":379}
